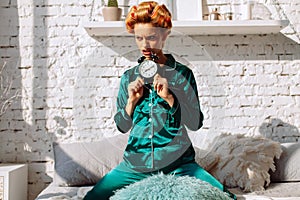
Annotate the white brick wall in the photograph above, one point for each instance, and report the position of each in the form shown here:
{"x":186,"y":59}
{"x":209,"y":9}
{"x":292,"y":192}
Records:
{"x":247,"y":83}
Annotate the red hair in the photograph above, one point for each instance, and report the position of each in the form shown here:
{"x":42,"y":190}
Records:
{"x":149,"y":12}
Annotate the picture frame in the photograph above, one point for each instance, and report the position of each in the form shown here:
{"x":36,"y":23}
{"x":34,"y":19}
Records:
{"x":188,"y":10}
{"x":167,"y":3}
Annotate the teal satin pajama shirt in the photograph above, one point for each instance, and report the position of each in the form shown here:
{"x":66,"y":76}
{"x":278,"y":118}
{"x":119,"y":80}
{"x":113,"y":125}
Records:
{"x":158,"y":134}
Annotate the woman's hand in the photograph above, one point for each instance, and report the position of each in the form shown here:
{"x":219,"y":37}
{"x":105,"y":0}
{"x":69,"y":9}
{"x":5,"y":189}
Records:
{"x":161,"y":86}
{"x":135,"y":92}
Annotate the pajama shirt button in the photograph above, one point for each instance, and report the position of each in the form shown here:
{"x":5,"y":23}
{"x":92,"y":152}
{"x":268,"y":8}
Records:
{"x":149,"y":120}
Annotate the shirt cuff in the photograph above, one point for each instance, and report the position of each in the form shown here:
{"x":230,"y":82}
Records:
{"x":123,"y":121}
{"x":175,"y":106}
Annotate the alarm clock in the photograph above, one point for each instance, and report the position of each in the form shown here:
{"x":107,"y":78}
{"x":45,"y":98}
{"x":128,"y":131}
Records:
{"x":148,"y":68}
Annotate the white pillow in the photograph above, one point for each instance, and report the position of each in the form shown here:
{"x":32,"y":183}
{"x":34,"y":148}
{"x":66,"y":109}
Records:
{"x":288,"y":166}
{"x":244,"y":161}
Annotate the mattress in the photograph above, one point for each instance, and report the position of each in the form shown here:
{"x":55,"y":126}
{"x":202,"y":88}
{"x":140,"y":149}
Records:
{"x":54,"y":192}
{"x":276,"y":191}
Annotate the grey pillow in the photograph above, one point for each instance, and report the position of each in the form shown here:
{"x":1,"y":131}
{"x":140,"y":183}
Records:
{"x":206,"y":159}
{"x":288,"y":165}
{"x":84,"y":163}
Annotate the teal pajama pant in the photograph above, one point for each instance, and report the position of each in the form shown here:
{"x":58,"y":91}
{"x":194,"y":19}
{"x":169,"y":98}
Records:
{"x":122,"y":176}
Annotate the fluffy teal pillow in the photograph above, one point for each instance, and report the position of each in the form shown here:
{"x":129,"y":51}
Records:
{"x":171,"y":187}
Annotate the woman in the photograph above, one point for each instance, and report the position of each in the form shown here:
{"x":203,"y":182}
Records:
{"x":157,"y":110}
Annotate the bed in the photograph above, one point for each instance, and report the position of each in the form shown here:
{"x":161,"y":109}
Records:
{"x":276,"y":191}
{"x":254,"y":168}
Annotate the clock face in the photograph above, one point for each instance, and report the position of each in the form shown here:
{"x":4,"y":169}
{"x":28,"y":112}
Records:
{"x":148,"y":69}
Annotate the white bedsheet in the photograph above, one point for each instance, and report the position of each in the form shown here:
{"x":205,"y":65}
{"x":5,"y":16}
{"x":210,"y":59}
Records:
{"x":276,"y":191}
{"x":53,"y":192}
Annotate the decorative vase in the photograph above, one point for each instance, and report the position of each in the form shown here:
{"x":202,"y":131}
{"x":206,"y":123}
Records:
{"x":111,"y":13}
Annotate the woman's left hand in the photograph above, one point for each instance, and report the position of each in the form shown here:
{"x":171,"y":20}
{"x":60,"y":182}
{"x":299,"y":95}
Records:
{"x":161,"y":86}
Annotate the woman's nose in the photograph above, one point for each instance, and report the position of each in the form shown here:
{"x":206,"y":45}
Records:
{"x":145,"y":43}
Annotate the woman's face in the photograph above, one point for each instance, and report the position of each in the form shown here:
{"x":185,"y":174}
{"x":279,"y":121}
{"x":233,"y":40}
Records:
{"x":149,"y":39}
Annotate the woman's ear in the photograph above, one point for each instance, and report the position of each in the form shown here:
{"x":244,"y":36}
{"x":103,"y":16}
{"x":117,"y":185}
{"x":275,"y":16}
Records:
{"x":166,"y":34}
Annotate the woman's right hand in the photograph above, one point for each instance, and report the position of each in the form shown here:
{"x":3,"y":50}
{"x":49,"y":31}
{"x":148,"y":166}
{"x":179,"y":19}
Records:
{"x":135,"y":92}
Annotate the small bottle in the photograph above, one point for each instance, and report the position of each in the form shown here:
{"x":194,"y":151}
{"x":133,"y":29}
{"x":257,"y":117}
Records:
{"x":246,"y":9}
{"x":228,"y":16}
{"x":215,"y":15}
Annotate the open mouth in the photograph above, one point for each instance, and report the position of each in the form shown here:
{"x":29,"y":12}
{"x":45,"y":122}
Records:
{"x":147,"y":52}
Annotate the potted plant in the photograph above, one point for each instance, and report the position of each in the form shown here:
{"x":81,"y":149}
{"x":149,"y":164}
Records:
{"x":112,"y":12}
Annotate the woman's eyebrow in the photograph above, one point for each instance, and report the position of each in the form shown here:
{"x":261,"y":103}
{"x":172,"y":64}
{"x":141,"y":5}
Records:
{"x":146,"y":36}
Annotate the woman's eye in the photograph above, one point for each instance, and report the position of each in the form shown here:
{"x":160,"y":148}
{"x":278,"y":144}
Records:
{"x":138,"y":38}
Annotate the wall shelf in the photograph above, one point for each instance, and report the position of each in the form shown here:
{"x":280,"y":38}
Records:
{"x":221,"y":27}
